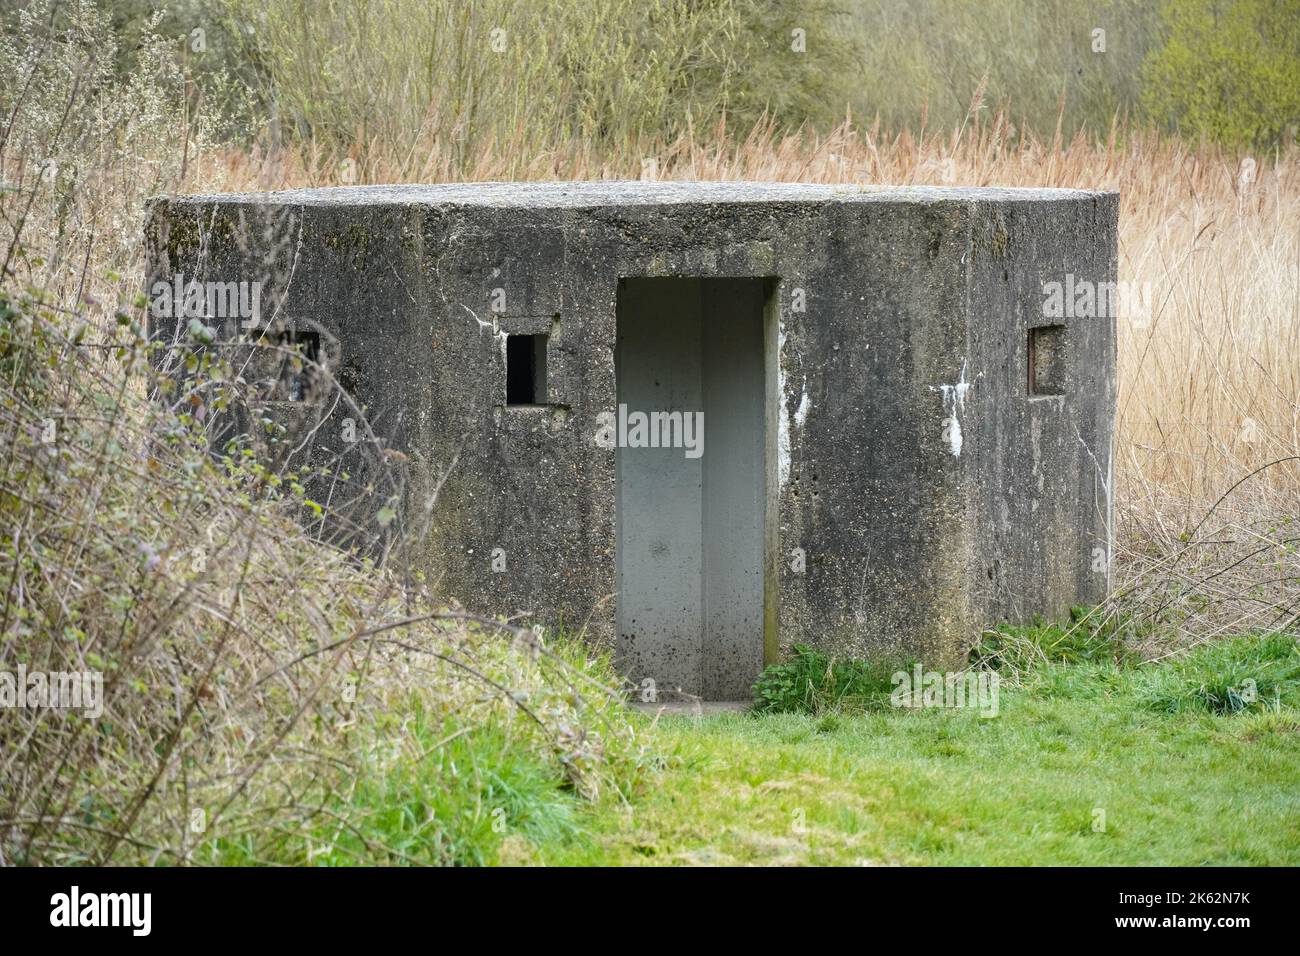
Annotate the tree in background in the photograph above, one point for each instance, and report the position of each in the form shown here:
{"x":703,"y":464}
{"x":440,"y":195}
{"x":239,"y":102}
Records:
{"x":1229,"y":70}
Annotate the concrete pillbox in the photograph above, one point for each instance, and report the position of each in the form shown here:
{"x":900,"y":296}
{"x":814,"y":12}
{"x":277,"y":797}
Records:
{"x":704,"y":421}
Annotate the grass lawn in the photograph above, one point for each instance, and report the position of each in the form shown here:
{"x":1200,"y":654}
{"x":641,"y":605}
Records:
{"x":1095,"y":760}
{"x":1177,"y":785}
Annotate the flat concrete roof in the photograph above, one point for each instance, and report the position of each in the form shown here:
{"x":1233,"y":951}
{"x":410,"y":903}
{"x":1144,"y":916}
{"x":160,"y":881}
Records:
{"x":606,"y":193}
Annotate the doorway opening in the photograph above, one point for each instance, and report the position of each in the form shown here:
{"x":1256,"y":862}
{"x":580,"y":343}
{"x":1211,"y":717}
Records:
{"x":696,"y":488}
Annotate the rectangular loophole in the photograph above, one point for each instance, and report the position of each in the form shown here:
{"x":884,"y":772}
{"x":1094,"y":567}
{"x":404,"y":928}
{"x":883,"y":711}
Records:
{"x":1047,"y":360}
{"x":298,"y":368}
{"x":526,"y":369}
{"x":283,"y":365}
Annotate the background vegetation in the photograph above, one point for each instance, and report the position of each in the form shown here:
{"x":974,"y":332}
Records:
{"x":470,"y":77}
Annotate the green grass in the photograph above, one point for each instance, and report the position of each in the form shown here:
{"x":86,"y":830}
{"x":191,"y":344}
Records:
{"x":1227,"y":676}
{"x":1181,"y":781}
{"x":1093,"y":759}
{"x":810,"y":682}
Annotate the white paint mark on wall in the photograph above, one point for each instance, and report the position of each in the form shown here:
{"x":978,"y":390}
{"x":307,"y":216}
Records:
{"x":495,"y":329}
{"x":492,"y":326}
{"x":783,"y":419}
{"x":801,"y":413}
{"x":954,"y":403}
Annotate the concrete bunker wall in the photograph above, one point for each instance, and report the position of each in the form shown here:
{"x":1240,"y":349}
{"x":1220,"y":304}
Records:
{"x":1040,"y":469}
{"x":891,"y":322}
{"x":871,"y":315}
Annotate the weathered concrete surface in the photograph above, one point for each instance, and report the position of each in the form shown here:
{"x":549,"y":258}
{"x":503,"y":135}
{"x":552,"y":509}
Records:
{"x":929,"y":492}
